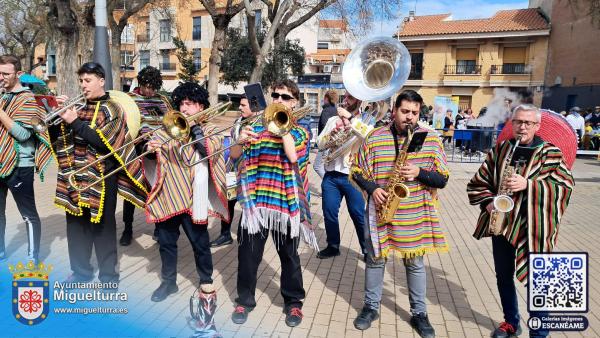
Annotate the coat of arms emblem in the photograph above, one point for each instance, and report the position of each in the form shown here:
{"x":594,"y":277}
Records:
{"x":30,"y":292}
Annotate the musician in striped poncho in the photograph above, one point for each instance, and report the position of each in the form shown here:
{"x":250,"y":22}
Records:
{"x":152,"y":107}
{"x":22,"y":153}
{"x":98,"y":128}
{"x":183,"y":196}
{"x":415,"y":229}
{"x":541,"y":192}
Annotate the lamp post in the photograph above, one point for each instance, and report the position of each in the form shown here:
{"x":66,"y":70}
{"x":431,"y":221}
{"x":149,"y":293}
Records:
{"x":101,"y":47}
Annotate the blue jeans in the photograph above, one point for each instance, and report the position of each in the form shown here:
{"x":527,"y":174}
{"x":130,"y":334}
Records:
{"x":416,"y":280}
{"x":504,"y":263}
{"x":334,"y":187}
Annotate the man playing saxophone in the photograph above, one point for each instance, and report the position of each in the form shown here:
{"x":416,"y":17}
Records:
{"x":541,"y":190}
{"x":414,"y":228}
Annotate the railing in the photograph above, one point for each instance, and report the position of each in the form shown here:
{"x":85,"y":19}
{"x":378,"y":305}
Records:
{"x":142,"y":38}
{"x":167,"y":66}
{"x":510,"y":68}
{"x":462,"y":69}
{"x":468,"y":145}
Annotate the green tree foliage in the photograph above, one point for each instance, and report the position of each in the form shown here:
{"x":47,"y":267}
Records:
{"x":238,"y":62}
{"x":188,"y":71}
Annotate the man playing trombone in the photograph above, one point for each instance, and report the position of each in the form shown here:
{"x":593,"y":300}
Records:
{"x":152,"y":107}
{"x":271,"y":201}
{"x":184,"y":195}
{"x":23,"y":152}
{"x":95,"y":128}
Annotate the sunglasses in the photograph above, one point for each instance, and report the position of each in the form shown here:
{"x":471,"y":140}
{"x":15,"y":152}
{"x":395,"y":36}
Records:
{"x":284,"y":97}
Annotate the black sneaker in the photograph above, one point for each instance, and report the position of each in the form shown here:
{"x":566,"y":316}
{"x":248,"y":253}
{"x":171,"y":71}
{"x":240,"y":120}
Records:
{"x":126,"y":237}
{"x":293,"y":317}
{"x":240,"y":314}
{"x":365,"y":318}
{"x":328,"y":252}
{"x":506,"y":330}
{"x":421,"y":324}
{"x":221,"y":240}
{"x":164,"y":290}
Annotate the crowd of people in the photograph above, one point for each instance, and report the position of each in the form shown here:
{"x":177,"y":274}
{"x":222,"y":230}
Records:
{"x":93,"y":141}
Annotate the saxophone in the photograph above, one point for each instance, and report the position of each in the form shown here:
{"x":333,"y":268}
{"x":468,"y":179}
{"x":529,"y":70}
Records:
{"x":503,"y":202}
{"x":395,"y":188}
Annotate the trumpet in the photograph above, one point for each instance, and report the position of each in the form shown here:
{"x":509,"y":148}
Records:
{"x":275,"y":115}
{"x":53,"y":118}
{"x":174,"y":123}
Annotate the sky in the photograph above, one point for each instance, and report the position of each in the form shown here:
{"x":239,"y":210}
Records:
{"x":460,"y":9}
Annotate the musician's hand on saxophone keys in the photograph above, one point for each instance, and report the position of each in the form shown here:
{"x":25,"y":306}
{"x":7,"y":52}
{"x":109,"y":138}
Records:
{"x":490,"y":207}
{"x":516,"y":183}
{"x":379,"y":196}
{"x":410,"y":171}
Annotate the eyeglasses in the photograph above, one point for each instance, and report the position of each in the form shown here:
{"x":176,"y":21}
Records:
{"x":284,"y":97}
{"x":528,"y":124}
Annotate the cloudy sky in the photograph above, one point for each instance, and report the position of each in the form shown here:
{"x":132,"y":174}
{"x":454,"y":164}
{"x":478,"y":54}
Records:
{"x":460,"y":9}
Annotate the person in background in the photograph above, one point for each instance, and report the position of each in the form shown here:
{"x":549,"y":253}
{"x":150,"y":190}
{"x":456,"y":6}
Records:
{"x":576,"y":121}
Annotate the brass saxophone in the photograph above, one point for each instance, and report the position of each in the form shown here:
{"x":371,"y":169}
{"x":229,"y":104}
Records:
{"x":503,"y":202}
{"x":395,"y":188}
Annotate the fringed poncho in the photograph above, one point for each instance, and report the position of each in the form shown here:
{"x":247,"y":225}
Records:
{"x":549,"y":187}
{"x":415,"y":228}
{"x":21,"y":108}
{"x":198,"y":191}
{"x":73,"y":152}
{"x":272,"y":190}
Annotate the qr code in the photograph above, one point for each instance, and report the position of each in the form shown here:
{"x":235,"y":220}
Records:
{"x":558,"y":282}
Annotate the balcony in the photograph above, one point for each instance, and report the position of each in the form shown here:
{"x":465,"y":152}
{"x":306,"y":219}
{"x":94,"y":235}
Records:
{"x":462,"y":70}
{"x":510,"y":68}
{"x":511,"y":75}
{"x":167,"y":67}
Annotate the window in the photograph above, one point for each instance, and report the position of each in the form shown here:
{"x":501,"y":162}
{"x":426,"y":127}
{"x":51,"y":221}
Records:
{"x":197,"y":28}
{"x":312,"y":99}
{"x":257,"y":19}
{"x":51,"y":64}
{"x":126,"y":60}
{"x":416,"y":69}
{"x":465,"y":67}
{"x":165,"y":60}
{"x":127,"y":34}
{"x":147,"y":30}
{"x":514,"y":60}
{"x":322,"y":45}
{"x":144,"y":58}
{"x":165,"y":30}
{"x":197,"y":59}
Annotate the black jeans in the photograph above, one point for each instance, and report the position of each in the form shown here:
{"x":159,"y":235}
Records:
{"x":128,"y":210}
{"x":226,"y":226}
{"x":168,"y":233}
{"x":83,"y":235}
{"x":504,"y":264}
{"x":20,"y":184}
{"x":250,"y":253}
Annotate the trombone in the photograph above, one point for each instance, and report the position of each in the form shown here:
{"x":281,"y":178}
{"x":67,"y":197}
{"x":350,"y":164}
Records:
{"x":174,"y":123}
{"x":53,"y":118}
{"x":277,"y":116}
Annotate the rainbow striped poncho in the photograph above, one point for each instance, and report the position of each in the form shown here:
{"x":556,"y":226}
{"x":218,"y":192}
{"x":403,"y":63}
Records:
{"x":415,"y":229}
{"x":272,"y":189}
{"x":549,"y":188}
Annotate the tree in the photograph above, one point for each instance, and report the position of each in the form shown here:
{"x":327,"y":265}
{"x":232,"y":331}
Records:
{"x":22,"y":28}
{"x":188,"y":71}
{"x":72,"y":27}
{"x":286,"y":59}
{"x":221,"y":17}
{"x":120,"y":13}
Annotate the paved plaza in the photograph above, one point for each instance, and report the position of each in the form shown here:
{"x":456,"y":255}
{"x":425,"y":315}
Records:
{"x":462,"y":296}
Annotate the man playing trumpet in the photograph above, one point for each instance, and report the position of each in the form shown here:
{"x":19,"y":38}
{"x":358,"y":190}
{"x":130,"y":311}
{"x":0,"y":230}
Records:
{"x":184,"y":196}
{"x":23,"y":152}
{"x":94,"y":129}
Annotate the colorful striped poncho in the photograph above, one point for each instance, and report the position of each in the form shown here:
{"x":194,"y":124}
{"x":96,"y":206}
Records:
{"x":198,"y":191}
{"x":415,"y":229}
{"x":150,"y":109}
{"x":549,"y":187}
{"x":271,"y":189}
{"x":21,"y":108}
{"x":73,"y":152}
